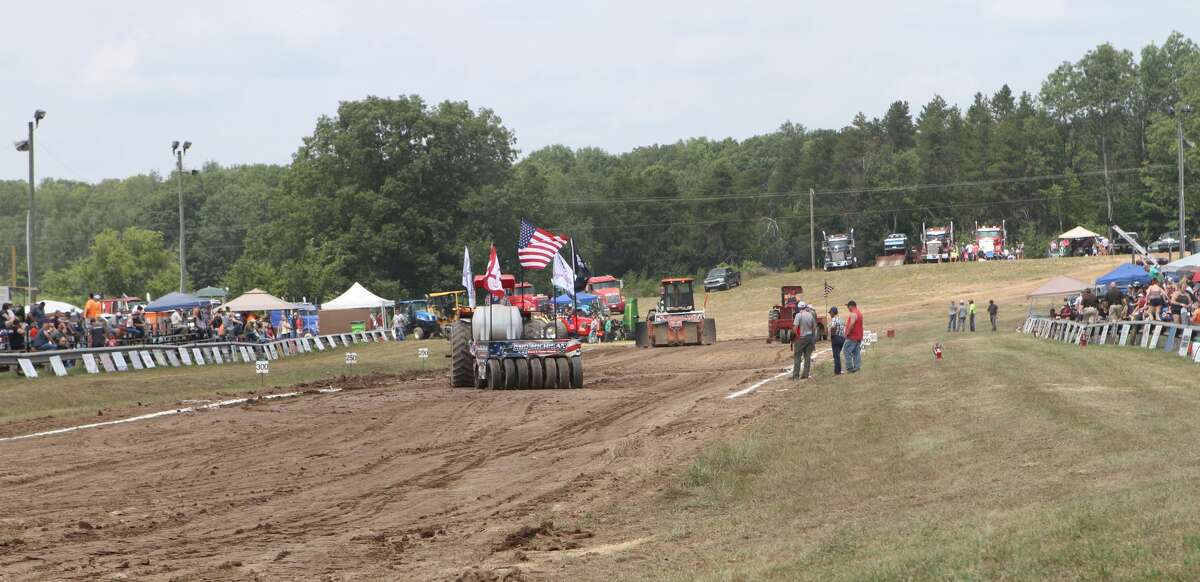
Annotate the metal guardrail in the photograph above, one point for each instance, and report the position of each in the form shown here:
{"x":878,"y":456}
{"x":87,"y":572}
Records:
{"x":1182,"y":340}
{"x":149,"y":356}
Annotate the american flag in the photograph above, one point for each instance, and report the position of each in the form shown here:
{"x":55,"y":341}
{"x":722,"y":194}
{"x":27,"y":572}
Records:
{"x":828,"y":288}
{"x":537,"y":246}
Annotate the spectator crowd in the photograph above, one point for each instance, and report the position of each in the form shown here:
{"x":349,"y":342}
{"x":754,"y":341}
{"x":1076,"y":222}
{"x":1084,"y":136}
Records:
{"x":31,"y":328}
{"x":1160,"y":300}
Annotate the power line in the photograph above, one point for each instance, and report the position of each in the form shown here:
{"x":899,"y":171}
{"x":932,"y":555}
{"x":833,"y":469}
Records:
{"x":829,"y":214}
{"x":856,"y":191}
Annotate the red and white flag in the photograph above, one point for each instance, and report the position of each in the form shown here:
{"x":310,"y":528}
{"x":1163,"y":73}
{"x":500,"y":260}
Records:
{"x":492,"y":276}
{"x":537,"y":246}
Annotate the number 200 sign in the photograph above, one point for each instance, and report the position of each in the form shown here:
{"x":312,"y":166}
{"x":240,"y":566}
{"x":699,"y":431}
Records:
{"x":351,"y":358}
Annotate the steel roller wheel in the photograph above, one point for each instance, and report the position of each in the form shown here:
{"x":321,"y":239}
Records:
{"x":551,"y":379}
{"x":495,"y":379}
{"x":564,"y":372}
{"x":536,"y":373}
{"x":522,"y":373}
{"x":510,"y":373}
{"x":576,"y":372}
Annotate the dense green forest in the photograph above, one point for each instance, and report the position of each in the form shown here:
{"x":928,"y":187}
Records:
{"x":387,"y":191}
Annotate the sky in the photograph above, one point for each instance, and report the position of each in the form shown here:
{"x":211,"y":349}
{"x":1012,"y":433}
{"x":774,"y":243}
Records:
{"x":245,"y":81}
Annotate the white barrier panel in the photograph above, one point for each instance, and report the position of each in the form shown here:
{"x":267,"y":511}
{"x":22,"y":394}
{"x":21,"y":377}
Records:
{"x":27,"y":368}
{"x":160,"y":358}
{"x":173,"y":358}
{"x":185,"y":356}
{"x":1184,"y":342}
{"x":89,"y":364}
{"x":107,"y":361}
{"x":56,"y":364}
{"x":146,"y":359}
{"x":216,"y":356}
{"x":119,"y":360}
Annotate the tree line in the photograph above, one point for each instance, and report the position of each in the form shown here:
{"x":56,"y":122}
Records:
{"x":388,"y":191}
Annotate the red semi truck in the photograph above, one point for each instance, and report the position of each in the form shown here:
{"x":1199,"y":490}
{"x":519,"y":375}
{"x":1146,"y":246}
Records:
{"x":609,"y":290}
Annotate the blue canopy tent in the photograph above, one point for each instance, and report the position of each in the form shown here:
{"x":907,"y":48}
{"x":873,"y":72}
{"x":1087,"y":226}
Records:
{"x":176,"y":300}
{"x":584,"y":299}
{"x":1124,"y":275}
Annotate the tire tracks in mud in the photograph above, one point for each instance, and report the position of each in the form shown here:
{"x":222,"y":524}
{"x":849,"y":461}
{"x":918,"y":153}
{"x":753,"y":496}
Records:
{"x":337,"y":484}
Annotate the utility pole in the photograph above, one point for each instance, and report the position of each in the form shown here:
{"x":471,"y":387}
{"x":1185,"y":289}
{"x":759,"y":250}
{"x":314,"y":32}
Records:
{"x":812,"y":236}
{"x":27,"y":146}
{"x":178,"y":151}
{"x":29,"y":222}
{"x":1183,"y":238}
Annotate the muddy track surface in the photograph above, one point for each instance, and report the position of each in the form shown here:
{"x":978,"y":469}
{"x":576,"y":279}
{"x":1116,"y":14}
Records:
{"x":403,"y":479}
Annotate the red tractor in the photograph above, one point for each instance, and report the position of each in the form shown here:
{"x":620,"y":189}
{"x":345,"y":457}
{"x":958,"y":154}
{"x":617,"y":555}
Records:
{"x":779,"y":319}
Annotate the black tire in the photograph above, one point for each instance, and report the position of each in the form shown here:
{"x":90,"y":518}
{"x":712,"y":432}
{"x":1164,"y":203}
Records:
{"x":551,"y":378}
{"x":576,"y":371}
{"x":462,"y":364}
{"x":564,"y":372}
{"x":522,"y":373}
{"x":536,"y":373}
{"x":495,"y":379}
{"x":510,"y":373}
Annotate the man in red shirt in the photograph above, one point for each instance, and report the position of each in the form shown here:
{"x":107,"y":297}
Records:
{"x":854,"y":334}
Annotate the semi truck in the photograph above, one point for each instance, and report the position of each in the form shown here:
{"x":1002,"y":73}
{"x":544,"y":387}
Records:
{"x":936,"y":242}
{"x":991,"y":240}
{"x":839,"y":251}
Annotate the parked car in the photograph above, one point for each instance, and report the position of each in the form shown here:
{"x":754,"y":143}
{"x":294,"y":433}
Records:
{"x":1122,"y":246}
{"x":1169,"y":241}
{"x":722,"y":278}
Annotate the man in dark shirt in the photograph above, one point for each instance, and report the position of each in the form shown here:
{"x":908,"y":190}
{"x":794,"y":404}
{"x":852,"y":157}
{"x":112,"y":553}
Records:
{"x":992,"y":310}
{"x":1116,"y":302}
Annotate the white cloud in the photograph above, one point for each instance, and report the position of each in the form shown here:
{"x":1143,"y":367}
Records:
{"x":112,"y":67}
{"x":1029,"y":12}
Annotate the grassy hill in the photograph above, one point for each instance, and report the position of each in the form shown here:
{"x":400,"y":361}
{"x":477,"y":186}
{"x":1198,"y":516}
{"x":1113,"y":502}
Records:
{"x":897,"y":297}
{"x":1011,"y":458}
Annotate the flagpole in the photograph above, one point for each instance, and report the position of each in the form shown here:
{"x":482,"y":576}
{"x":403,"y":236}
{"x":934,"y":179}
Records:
{"x":574,"y":294}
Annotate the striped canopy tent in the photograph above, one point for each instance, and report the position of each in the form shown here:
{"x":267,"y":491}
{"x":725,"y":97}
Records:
{"x":1078,"y":232}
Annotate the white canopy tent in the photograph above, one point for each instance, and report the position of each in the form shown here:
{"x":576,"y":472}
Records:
{"x":357,"y":297}
{"x":352,"y":308}
{"x":1190,"y":263}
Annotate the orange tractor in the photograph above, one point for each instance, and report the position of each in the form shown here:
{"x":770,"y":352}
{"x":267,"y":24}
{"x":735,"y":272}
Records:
{"x":779,"y":319}
{"x":676,"y":321}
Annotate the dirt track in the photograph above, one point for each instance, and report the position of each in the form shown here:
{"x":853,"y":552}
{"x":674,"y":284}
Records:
{"x":401,"y":479}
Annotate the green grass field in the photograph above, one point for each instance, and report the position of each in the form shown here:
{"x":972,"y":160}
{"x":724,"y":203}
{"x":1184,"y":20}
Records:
{"x":82,"y":395}
{"x":1012,"y":458}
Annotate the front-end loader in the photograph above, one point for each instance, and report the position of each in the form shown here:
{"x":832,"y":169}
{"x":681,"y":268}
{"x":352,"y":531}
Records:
{"x":676,"y":321}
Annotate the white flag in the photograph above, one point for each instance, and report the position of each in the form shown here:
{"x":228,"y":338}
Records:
{"x":563,"y":277}
{"x":468,"y":280}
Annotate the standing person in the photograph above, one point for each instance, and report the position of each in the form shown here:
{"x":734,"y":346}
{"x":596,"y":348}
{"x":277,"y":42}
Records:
{"x":837,"y":337}
{"x":971,"y":312}
{"x":992,"y":310}
{"x":962,"y":316}
{"x":854,"y":335}
{"x":805,"y":327}
{"x":91,"y":309}
{"x":952,"y":325}
{"x":398,"y":325}
{"x":1116,"y":302}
